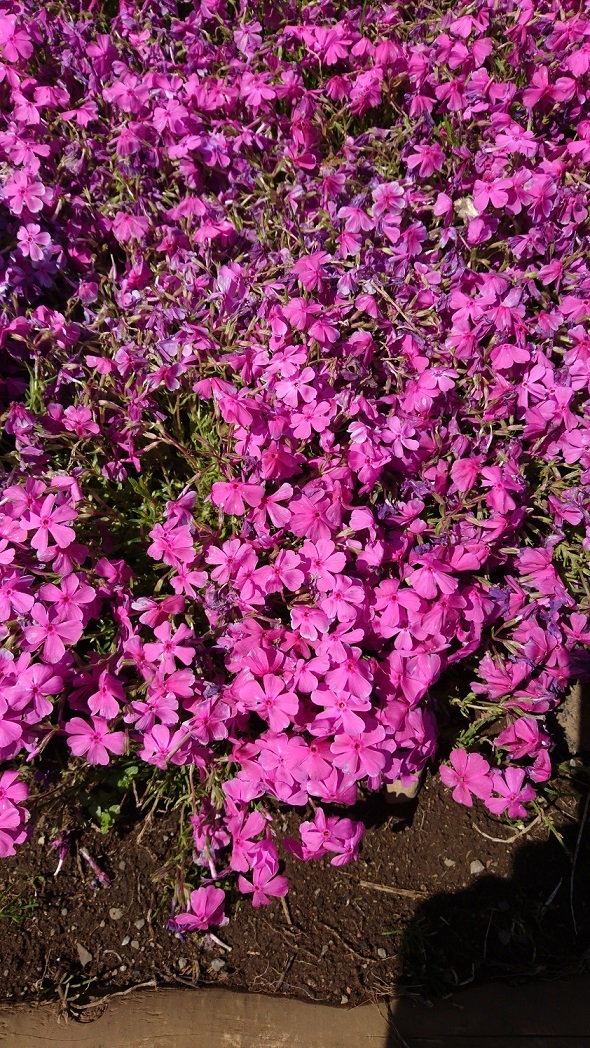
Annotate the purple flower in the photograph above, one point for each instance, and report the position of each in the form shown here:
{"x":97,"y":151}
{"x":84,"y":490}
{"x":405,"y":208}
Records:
{"x":468,"y":775}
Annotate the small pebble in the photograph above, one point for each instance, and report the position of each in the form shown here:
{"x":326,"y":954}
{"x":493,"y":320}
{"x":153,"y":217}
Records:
{"x":126,"y":940}
{"x":102,"y":924}
{"x":139,"y":924}
{"x":41,"y":840}
{"x":115,"y":913}
{"x":449,"y":862}
{"x":476,"y":867}
{"x":134,"y":944}
{"x":381,"y":952}
{"x":64,"y":912}
{"x":344,"y":999}
{"x":218,"y":964}
{"x":123,"y":968}
{"x":84,"y":954}
{"x":122,"y":864}
{"x":182,"y":962}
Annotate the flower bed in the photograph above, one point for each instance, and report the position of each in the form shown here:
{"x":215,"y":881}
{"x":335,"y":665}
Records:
{"x":296,"y":435}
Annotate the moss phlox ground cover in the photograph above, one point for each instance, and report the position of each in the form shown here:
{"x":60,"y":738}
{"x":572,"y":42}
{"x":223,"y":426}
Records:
{"x":295,"y":420}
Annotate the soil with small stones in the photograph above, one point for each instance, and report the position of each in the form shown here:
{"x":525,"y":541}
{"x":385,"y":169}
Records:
{"x":433,"y":904}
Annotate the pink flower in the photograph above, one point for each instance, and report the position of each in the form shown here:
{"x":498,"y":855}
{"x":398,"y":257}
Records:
{"x":312,"y":517}
{"x":24,"y":194}
{"x":32,"y":241}
{"x":309,"y":269}
{"x":469,"y":774}
{"x":271,"y":701}
{"x":12,"y":789}
{"x":228,"y":559}
{"x":94,"y":741}
{"x":53,"y":632}
{"x":14,"y":42}
{"x":130,"y":227}
{"x":323,"y":562}
{"x":104,"y":702}
{"x":172,"y":544}
{"x":206,"y":911}
{"x":512,"y":794}
{"x":359,"y":755}
{"x":169,"y":647}
{"x":427,"y":158}
{"x":243,"y":829}
{"x":11,"y":828}
{"x":79,"y":420}
{"x":234,"y":494}
{"x":70,"y":597}
{"x":35,"y":684}
{"x":48,"y":522}
{"x":283,"y":572}
{"x":265,"y":882}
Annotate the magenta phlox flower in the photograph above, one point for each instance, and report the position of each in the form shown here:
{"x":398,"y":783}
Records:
{"x":308,"y":672}
{"x":155,"y":612}
{"x":70,"y":597}
{"x":468,"y":776}
{"x":172,"y":543}
{"x":300,"y":313}
{"x":209,"y":720}
{"x":15,"y":42}
{"x":94,"y":740}
{"x":24,"y":194}
{"x":243,"y":829}
{"x":343,"y":600}
{"x":48,"y":521}
{"x":104,"y":702}
{"x":12,"y":831}
{"x":53,"y":632}
{"x":228,"y":559}
{"x":271,"y":700}
{"x":130,"y":227}
{"x":35,"y":684}
{"x":12,"y":789}
{"x":266,"y":883}
{"x":11,"y":736}
{"x":206,"y":911}
{"x":360,"y":755}
{"x":33,"y":242}
{"x":158,"y":743}
{"x":233,"y":496}
{"x":297,"y":387}
{"x":283,"y":572}
{"x":512,"y":793}
{"x":310,"y":269}
{"x":323,"y":562}
{"x":412,"y":675}
{"x":340,"y":713}
{"x":270,"y":507}
{"x":169,"y":647}
{"x":310,"y":622}
{"x":542,"y":91}
{"x":353,"y":675}
{"x":524,"y":738}
{"x":431,"y":578}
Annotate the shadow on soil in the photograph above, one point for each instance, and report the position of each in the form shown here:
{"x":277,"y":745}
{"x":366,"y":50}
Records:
{"x":532,"y":927}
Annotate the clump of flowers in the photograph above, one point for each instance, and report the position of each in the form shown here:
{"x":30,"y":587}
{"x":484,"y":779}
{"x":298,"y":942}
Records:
{"x":296,"y":426}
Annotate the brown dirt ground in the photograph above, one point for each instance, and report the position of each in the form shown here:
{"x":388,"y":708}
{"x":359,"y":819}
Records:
{"x":410,"y":915}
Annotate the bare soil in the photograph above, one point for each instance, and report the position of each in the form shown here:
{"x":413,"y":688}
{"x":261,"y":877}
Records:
{"x":433,"y":904}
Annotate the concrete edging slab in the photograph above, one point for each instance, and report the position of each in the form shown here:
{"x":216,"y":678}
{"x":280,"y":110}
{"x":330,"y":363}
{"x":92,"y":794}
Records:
{"x":541,"y":1015}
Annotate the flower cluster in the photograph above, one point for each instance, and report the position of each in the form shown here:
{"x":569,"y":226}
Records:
{"x":296,"y":427}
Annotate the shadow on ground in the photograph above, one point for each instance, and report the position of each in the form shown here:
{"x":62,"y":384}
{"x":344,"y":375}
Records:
{"x":511,"y":937}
